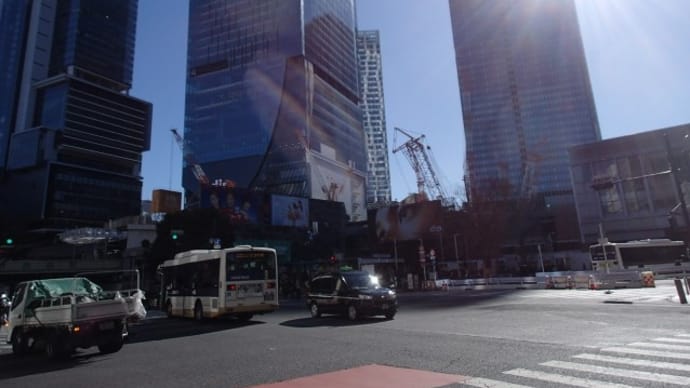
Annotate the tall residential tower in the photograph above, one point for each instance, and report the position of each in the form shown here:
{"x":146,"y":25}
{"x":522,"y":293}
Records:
{"x":71,"y":137}
{"x":272,"y":99}
{"x":374,"y":117}
{"x":526,"y":96}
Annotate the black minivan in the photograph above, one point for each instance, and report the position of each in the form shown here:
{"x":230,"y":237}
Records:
{"x":353,"y":293}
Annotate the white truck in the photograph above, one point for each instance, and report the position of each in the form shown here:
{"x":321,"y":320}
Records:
{"x":61,"y":315}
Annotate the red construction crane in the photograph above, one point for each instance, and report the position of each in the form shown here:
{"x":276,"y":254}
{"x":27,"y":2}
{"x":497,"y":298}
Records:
{"x":198,"y":172}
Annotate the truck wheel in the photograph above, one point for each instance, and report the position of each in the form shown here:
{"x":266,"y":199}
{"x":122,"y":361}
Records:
{"x":112,"y":346}
{"x":198,"y":312}
{"x":18,"y":342}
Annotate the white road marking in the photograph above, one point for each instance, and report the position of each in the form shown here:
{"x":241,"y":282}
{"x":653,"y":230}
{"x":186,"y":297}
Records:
{"x":634,"y":362}
{"x":644,"y":352}
{"x":660,"y":346}
{"x":628,"y":373}
{"x":489,"y":383}
{"x":562,"y":379}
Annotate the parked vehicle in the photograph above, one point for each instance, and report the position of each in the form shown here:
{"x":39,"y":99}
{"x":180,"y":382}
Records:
{"x":61,"y":315}
{"x":353,"y":293}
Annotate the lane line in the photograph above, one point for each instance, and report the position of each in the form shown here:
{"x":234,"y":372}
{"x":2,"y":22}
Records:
{"x":634,"y":362}
{"x":619,"y":372}
{"x":561,"y":379}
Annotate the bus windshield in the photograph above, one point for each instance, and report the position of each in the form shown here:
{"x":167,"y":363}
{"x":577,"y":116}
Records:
{"x":252,"y":265}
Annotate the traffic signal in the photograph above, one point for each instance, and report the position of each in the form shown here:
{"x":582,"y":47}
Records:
{"x":9,"y":241}
{"x":332,"y":259}
{"x":176,"y":234}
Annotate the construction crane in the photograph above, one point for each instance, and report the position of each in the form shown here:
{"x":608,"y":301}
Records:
{"x":427,"y":180}
{"x":198,"y":172}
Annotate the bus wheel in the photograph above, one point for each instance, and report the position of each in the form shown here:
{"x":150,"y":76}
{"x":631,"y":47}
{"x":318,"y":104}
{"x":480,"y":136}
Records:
{"x":244,"y":317}
{"x":198,"y":312}
{"x":168,"y":309}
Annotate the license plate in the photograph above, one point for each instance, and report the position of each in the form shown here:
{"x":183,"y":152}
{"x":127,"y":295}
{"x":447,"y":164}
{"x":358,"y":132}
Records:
{"x":106,"y":325}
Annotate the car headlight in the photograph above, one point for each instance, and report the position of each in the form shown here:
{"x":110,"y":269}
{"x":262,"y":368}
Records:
{"x":365,"y":297}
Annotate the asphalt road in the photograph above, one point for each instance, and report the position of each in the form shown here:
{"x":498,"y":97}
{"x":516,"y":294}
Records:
{"x":538,"y":338}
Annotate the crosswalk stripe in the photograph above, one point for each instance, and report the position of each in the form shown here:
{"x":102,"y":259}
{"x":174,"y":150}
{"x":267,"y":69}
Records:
{"x":674,"y":340}
{"x":561,"y":379}
{"x":645,"y":352}
{"x":489,"y":383}
{"x":634,"y":362}
{"x":638,"y":375}
{"x":660,"y":346}
{"x":683,"y":335}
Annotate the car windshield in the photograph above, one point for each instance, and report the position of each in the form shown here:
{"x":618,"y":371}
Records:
{"x":361,"y":281}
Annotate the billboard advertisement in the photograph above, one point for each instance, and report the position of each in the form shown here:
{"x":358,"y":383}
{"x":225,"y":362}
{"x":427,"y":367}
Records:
{"x":166,"y":201}
{"x":405,"y":221}
{"x":239,"y":205}
{"x":333,"y":182}
{"x":289,"y":211}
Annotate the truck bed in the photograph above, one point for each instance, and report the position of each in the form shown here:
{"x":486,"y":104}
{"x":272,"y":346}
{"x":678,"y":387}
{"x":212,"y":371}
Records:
{"x":70,"y":309}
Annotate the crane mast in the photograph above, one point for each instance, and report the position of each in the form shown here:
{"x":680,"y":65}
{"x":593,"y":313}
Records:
{"x":427,"y":180}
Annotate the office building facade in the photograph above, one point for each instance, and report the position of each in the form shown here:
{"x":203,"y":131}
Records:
{"x":374,"y":117}
{"x":526,"y":96}
{"x":71,"y":138}
{"x":626,"y":185}
{"x":272,"y":100}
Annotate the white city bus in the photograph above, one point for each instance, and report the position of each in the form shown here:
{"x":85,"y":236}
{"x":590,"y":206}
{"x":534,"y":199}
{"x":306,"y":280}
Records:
{"x":637,"y":254}
{"x":239,"y":281}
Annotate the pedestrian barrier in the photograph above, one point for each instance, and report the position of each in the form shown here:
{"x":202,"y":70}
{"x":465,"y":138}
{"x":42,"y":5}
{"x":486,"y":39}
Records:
{"x":648,"y":279}
{"x":593,"y":283}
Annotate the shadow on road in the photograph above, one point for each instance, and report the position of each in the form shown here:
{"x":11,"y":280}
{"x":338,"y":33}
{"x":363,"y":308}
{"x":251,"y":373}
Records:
{"x":36,"y":363}
{"x":154,"y":329}
{"x":165,"y":328}
{"x":331,"y":321}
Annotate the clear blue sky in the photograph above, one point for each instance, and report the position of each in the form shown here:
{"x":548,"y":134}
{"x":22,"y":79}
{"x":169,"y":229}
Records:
{"x":638,"y":54}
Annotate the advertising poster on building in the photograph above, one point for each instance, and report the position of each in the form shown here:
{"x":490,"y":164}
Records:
{"x":405,"y":222}
{"x":240,"y":206}
{"x":289,"y":211}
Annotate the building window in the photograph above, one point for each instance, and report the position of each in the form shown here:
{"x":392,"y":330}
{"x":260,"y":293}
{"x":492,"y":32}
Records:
{"x":610,"y":201}
{"x":662,"y":190}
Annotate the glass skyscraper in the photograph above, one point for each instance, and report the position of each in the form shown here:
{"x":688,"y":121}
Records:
{"x":71,"y":138}
{"x":374,"y":117}
{"x":272,"y":99}
{"x":526,"y":95}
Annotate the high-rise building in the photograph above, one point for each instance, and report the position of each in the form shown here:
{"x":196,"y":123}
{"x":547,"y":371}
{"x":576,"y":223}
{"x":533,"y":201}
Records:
{"x":71,"y":137}
{"x":526,"y":96}
{"x":272,"y":99}
{"x":373,"y":117}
